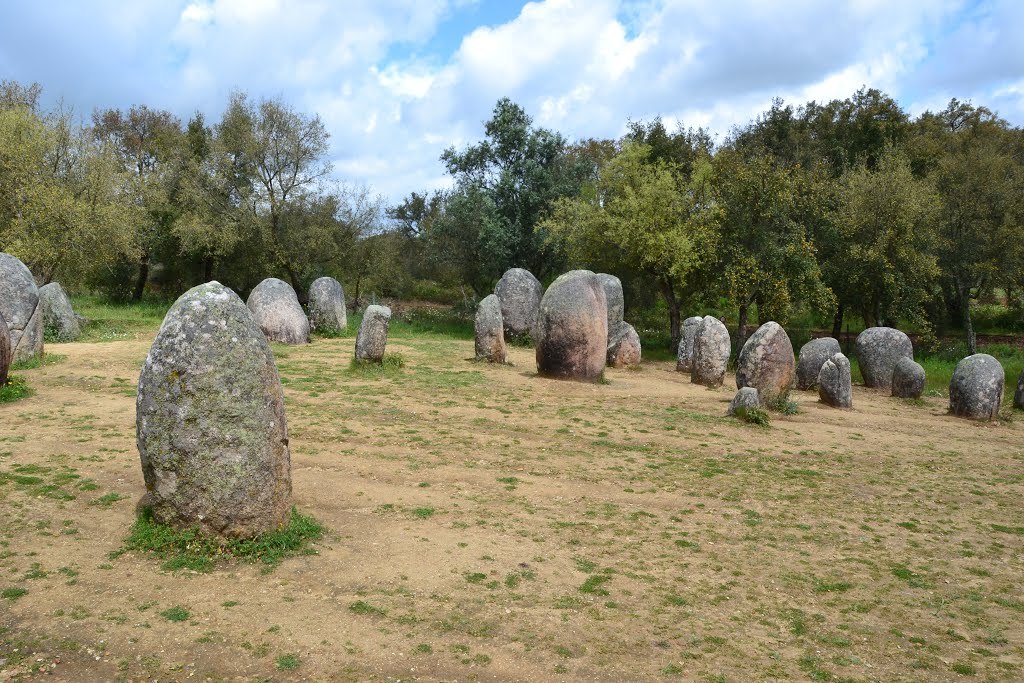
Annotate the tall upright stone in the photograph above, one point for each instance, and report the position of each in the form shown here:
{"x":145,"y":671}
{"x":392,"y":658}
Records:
{"x":684,"y":354}
{"x":711,"y":350}
{"x":976,"y":388}
{"x":878,"y":351}
{"x":326,"y":303}
{"x":489,"y":333}
{"x":5,"y":350}
{"x":835,"y":385}
{"x":210,"y":420}
{"x":572,"y":328}
{"x":520,"y":294}
{"x":277,"y":311}
{"x":766,"y":362}
{"x":616,"y":302}
{"x":19,"y":304}
{"x":624,"y":351}
{"x":813,"y":355}
{"x":372,"y":338}
{"x":59,"y":317}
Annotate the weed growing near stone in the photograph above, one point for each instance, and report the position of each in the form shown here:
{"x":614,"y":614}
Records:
{"x":754,"y":415}
{"x":15,"y":389}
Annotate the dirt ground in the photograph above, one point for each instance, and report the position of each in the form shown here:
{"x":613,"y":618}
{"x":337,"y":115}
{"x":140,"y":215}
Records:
{"x":489,"y":525}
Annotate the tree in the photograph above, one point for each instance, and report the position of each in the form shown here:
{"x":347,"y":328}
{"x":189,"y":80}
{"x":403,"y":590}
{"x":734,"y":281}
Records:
{"x":467,"y":241}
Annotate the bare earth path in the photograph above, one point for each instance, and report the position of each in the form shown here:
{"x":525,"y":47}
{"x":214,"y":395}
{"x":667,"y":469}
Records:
{"x":488,"y":525}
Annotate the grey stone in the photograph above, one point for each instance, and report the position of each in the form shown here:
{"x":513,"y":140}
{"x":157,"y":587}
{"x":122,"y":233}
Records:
{"x":616,"y":303}
{"x":813,"y":355}
{"x":878,"y":350}
{"x":835,"y":386}
{"x":58,"y":316}
{"x":907,"y":379}
{"x":976,"y":388}
{"x":1018,"y":395}
{"x":372,"y":338}
{"x":210,"y":420}
{"x":684,"y":354}
{"x":624,"y":350}
{"x":327,"y":306}
{"x":489,"y":331}
{"x":277,"y":311}
{"x":745,"y":399}
{"x":711,"y":349}
{"x":572,"y":328}
{"x":766,"y":362}
{"x":19,"y":304}
{"x":5,"y":350}
{"x":520,"y":294}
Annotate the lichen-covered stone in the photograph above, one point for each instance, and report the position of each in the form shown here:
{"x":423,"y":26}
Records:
{"x":59,"y":317}
{"x":684,"y":354}
{"x":624,"y":350}
{"x":19,"y":304}
{"x":572,"y":328}
{"x":616,"y":303}
{"x":5,"y":350}
{"x":745,"y":399}
{"x":372,"y":338}
{"x":520,"y":294}
{"x":210,"y":420}
{"x":327,"y":306}
{"x":278,"y":312}
{"x":766,"y":362}
{"x":1018,"y":395}
{"x":835,"y":386}
{"x":813,"y":355}
{"x":711,"y":349}
{"x":878,"y":351}
{"x":976,"y":388}
{"x":908,"y":379}
{"x":489,"y":331}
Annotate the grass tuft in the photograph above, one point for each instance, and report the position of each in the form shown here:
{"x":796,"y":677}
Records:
{"x":15,"y":389}
{"x":754,"y":415}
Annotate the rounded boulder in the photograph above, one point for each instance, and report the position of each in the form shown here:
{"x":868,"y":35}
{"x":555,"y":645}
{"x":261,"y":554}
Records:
{"x":277,"y":311}
{"x":372,"y":338}
{"x":489,"y":331}
{"x":19,"y":304}
{"x":908,"y":379}
{"x":813,"y":355}
{"x":976,"y":388}
{"x":327,"y":306}
{"x":711,"y":349}
{"x":766,"y":362}
{"x":624,"y":350}
{"x":59,"y":317}
{"x":878,"y":351}
{"x":572,"y":328}
{"x":835,"y":385}
{"x":745,"y":399}
{"x":520,"y":294}
{"x":684,"y":353}
{"x":210,"y":420}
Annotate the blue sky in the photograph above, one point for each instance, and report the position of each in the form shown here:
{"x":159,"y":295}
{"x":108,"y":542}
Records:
{"x":398,"y":81}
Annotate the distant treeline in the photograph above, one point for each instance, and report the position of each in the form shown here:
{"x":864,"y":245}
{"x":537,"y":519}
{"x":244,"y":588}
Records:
{"x":827,"y":211}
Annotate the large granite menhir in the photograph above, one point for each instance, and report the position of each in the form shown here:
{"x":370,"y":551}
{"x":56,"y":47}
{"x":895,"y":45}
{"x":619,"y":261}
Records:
{"x":520,"y":294}
{"x":277,"y":311}
{"x":878,"y":351}
{"x":766,"y":362}
{"x":835,"y":387}
{"x":326,"y":303}
{"x":372,"y":338}
{"x":210,"y":421}
{"x":489,"y":333}
{"x":572,"y":328}
{"x":59,"y":317}
{"x":19,"y":304}
{"x":976,"y":388}
{"x":813,"y":355}
{"x":684,"y":354}
{"x":711,"y":349}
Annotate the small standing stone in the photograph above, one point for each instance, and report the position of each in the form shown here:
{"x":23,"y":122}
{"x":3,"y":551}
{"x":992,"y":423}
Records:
{"x":1018,"y":395}
{"x":489,"y":331}
{"x":976,"y":388}
{"x":766,"y":362}
{"x":277,"y":311}
{"x":327,"y":306}
{"x":19,"y":304}
{"x":744,"y":400}
{"x":573,"y":328}
{"x":684,"y":354}
{"x":711,"y":349}
{"x":5,"y":350}
{"x":520,"y":294}
{"x":813,"y":355}
{"x":907,"y":379}
{"x":835,"y":386}
{"x":616,"y":302}
{"x":878,"y":351}
{"x":624,"y":351}
{"x":372,"y":338}
{"x":59,"y":317}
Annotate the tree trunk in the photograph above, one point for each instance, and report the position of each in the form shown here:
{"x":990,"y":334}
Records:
{"x":208,"y":269}
{"x":297,"y":285}
{"x":837,"y":322}
{"x":140,"y":282}
{"x":965,"y":312}
{"x":741,"y":333}
{"x":355,"y":301}
{"x":673,"y":313}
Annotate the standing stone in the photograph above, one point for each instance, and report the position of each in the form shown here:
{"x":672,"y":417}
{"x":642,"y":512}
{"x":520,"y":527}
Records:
{"x":907,"y":379}
{"x":372,"y":339}
{"x":520,"y":294}
{"x":1018,"y":395}
{"x":572,"y":328}
{"x":711,"y":349}
{"x":813,"y":355}
{"x":5,"y":350}
{"x":210,"y":420}
{"x":58,"y":316}
{"x":766,"y":362}
{"x":19,"y":305}
{"x":490,"y":332}
{"x":624,"y":351}
{"x":684,"y":354}
{"x":744,"y":400}
{"x":616,"y":302}
{"x":878,"y":351}
{"x":976,"y":389}
{"x":278,"y":313}
{"x":327,"y":306}
{"x":835,"y":385}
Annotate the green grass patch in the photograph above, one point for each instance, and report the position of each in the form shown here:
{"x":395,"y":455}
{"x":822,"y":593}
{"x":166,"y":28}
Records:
{"x":176,"y":614}
{"x":15,"y":389}
{"x":390,"y":364}
{"x":754,"y":415}
{"x":108,"y":321}
{"x":37,"y":362}
{"x":288,"y":662}
{"x":13,"y":594}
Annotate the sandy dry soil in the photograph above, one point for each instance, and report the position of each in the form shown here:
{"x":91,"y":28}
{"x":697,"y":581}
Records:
{"x":489,"y":525}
